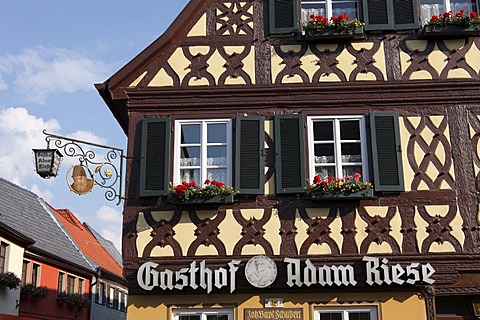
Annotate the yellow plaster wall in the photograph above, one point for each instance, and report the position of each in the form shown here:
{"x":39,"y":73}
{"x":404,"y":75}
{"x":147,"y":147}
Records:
{"x":200,"y":28}
{"x":389,"y":305}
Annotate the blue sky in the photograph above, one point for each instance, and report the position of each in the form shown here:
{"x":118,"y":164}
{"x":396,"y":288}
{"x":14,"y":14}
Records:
{"x":52,"y":52}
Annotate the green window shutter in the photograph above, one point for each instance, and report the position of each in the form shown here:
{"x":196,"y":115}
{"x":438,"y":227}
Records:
{"x":283,"y":16}
{"x":390,"y":14}
{"x":249,"y":155}
{"x":405,"y":14}
{"x":290,"y":154}
{"x":386,"y":152}
{"x":155,"y":152}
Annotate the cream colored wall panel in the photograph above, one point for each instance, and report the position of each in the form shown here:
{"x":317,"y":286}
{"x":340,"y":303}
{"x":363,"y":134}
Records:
{"x":302,"y":227}
{"x":230,"y":81}
{"x":445,"y":247}
{"x":457,"y":224}
{"x":185,"y":232}
{"x":408,"y":173}
{"x":272,"y":235}
{"x":369,"y":76}
{"x":288,"y":48}
{"x":377,"y":211}
{"x":396,"y":226}
{"x":472,"y":58}
{"x":289,"y":79}
{"x":198,"y":82}
{"x":437,"y":60}
{"x":230,"y":232}
{"x":215,"y":65}
{"x":277,"y":64}
{"x":319,"y":249}
{"x":179,"y":63}
{"x":162,"y":215}
{"x":309,"y":63}
{"x":361,"y":226}
{"x":421,"y":75}
{"x":195,"y":50}
{"x":377,"y":248}
{"x":362,"y":45}
{"x":453,"y":44}
{"x":412,"y":45}
{"x":345,"y":63}
{"x":440,"y":210}
{"x":252,"y":250}
{"x":335,"y":226}
{"x":379,"y":58}
{"x":162,"y":252}
{"x":137,"y":81}
{"x":204,"y":250}
{"x":161,"y":79}
{"x":143,"y":234}
{"x":200,"y":28}
{"x":252,"y":213}
{"x":458,"y":74}
{"x":330,"y":78}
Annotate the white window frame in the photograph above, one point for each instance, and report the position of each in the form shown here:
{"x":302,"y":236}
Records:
{"x":337,"y":144}
{"x":7,"y":251}
{"x":203,"y":150}
{"x":39,"y":272}
{"x":447,"y":5}
{"x":346,"y":310}
{"x":328,"y":7}
{"x":203,"y":313}
{"x":101,"y":292}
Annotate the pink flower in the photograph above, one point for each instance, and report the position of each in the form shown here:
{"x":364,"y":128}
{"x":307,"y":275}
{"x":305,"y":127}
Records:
{"x":357,"y":176}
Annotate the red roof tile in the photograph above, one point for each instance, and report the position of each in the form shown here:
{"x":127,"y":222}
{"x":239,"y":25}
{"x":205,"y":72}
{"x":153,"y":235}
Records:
{"x":86,"y":242}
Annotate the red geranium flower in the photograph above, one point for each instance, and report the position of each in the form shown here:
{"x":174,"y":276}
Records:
{"x":317,"y":179}
{"x":473,"y":15}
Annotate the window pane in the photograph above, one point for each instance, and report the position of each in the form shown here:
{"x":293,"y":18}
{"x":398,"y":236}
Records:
{"x":350,"y":130}
{"x":324,"y":153}
{"x":310,"y":7}
{"x":217,"y":133}
{"x":351,"y":170}
{"x":331,"y":316}
{"x":458,"y":5}
{"x":217,"y":174}
{"x":359,"y":315}
{"x":194,"y":317}
{"x":428,"y":8}
{"x":189,"y":175}
{"x":324,"y":172}
{"x":323,"y":131}
{"x":35,"y":274}
{"x":60,"y":282}
{"x":190,"y":156}
{"x":190,"y":133}
{"x":351,"y":152}
{"x":3,"y":254}
{"x":25,"y":266}
{"x":70,"y":284}
{"x":217,"y":156}
{"x":348,"y":7}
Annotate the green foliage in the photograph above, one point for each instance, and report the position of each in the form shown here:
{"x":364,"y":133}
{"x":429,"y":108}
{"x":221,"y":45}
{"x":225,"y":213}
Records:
{"x":349,"y":184}
{"x":341,"y":23}
{"x":9,"y":280}
{"x":30,"y":290}
{"x":189,"y":190}
{"x":73,"y":299}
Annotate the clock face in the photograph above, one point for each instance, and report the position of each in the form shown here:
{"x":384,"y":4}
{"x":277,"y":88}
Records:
{"x":260,"y":271}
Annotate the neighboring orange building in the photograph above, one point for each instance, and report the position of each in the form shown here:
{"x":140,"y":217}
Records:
{"x":67,"y":270}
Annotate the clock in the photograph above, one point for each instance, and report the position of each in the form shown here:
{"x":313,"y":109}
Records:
{"x":261,"y":271}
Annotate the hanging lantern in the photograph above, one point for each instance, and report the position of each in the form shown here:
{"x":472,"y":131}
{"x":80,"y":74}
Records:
{"x":47,"y":162}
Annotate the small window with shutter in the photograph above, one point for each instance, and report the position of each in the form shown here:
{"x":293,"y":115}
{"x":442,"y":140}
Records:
{"x":390,"y":14}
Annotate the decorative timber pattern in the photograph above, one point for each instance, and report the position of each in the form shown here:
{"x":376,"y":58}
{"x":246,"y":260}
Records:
{"x":429,"y":153}
{"x":228,"y":46}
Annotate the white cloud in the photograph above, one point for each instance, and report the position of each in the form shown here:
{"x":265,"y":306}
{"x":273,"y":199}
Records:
{"x":20,"y":132}
{"x":46,"y":195}
{"x":39,"y":72}
{"x":110,"y":219}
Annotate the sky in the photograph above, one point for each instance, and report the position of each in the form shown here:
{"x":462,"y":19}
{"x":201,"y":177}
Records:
{"x":52,"y":52}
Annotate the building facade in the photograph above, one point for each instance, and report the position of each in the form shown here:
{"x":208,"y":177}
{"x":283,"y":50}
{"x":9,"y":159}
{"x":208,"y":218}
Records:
{"x":243,"y":93}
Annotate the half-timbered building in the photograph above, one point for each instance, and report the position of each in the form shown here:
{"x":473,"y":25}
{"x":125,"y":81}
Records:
{"x":241,"y":92}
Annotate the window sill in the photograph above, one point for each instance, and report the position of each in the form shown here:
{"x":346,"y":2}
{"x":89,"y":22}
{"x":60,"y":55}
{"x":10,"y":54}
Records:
{"x":338,"y":195}
{"x":321,"y":35}
{"x":433,"y":31}
{"x":218,"y":199}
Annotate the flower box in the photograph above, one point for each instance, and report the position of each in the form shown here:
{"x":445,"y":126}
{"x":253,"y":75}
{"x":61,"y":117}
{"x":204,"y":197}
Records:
{"x":331,"y":33}
{"x":217,"y":199}
{"x":450,"y":30}
{"x":339,"y":195}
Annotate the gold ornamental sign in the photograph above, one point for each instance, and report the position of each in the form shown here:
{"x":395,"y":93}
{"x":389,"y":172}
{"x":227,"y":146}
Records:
{"x":274,"y":314}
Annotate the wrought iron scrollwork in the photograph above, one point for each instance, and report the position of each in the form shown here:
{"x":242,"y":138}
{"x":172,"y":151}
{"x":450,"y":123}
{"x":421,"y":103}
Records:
{"x":107,"y":173}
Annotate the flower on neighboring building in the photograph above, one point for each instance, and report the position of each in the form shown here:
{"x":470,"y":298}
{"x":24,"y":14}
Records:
{"x":340,"y":23}
{"x":9,"y":280}
{"x":190,"y":190}
{"x":462,"y":18}
{"x":331,"y":184}
{"x":31,"y":290}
